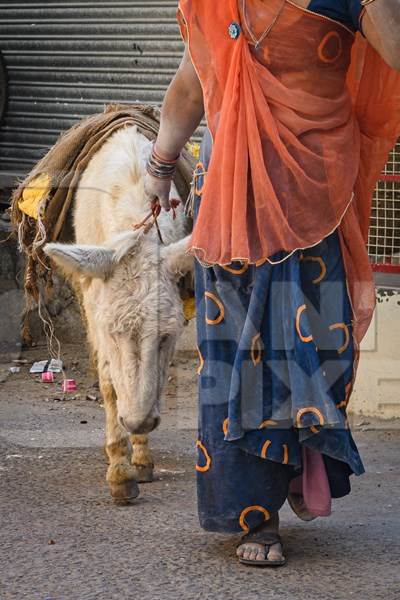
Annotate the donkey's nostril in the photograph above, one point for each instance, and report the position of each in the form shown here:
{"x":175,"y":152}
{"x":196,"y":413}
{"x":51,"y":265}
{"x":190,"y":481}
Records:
{"x":139,"y":426}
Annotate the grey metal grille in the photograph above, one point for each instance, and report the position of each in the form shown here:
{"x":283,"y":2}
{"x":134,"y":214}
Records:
{"x":66,"y":60}
{"x":384,"y":235}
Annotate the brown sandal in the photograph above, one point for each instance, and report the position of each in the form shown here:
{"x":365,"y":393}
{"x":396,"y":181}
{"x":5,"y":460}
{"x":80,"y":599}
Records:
{"x":267,"y":538}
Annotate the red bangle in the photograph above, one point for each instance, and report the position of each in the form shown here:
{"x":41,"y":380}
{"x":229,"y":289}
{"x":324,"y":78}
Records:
{"x":165,"y":160}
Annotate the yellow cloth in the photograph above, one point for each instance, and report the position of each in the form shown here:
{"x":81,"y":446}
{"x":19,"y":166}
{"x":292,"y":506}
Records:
{"x":194,"y":149}
{"x":34,"y":194}
{"x":189,"y":308}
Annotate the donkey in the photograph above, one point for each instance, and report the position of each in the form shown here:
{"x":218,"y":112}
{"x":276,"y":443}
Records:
{"x":127,"y":281}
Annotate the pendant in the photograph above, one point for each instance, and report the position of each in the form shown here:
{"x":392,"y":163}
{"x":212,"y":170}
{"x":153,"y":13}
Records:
{"x":234,"y":30}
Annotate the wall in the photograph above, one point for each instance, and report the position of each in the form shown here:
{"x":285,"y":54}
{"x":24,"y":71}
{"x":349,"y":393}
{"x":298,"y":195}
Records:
{"x":377,"y":390}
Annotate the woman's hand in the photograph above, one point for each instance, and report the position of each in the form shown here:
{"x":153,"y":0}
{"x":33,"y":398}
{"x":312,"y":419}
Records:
{"x":157,"y":191}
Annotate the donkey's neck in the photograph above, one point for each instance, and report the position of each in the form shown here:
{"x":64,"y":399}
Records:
{"x":111,"y":199}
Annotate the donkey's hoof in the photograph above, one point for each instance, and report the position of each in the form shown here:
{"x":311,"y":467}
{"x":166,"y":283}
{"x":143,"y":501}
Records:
{"x":124,"y":493}
{"x":143,"y":473}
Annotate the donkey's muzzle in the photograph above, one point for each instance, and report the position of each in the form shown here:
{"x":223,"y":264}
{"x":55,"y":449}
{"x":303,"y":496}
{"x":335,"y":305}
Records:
{"x":140,"y":426}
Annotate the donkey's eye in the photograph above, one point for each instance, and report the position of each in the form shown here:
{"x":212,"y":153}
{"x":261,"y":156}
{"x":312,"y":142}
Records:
{"x":164,"y":340}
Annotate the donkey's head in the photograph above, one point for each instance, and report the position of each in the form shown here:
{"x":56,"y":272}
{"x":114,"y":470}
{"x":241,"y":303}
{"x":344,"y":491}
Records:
{"x":134,"y":314}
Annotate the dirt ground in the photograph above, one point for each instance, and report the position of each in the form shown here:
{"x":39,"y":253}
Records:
{"x":62,"y":538}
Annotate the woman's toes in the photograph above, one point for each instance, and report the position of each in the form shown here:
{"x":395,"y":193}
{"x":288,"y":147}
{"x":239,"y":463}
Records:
{"x":258,"y":552}
{"x":261,"y":553}
{"x":275,"y":552}
{"x":251,"y":551}
{"x":247,"y":552}
{"x":254,"y":553}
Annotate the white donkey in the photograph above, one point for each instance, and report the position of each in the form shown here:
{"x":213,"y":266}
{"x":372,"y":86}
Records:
{"x":127,"y":282}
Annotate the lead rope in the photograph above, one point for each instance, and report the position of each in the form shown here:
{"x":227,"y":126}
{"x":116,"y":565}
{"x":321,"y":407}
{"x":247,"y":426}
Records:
{"x":151,"y":219}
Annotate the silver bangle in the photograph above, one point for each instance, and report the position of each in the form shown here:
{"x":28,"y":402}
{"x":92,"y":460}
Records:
{"x":161,"y":168}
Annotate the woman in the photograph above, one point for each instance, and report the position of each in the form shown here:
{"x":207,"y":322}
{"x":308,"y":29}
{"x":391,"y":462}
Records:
{"x":297,"y":135}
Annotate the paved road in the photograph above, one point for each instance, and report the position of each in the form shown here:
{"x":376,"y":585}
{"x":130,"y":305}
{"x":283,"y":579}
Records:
{"x":61,"y":538}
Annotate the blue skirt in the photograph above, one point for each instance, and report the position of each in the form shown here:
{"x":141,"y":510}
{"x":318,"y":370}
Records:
{"x":276,"y":367}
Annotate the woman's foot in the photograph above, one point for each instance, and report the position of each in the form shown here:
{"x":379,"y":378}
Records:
{"x":298,"y":506}
{"x":260,"y":552}
{"x":262,"y":546}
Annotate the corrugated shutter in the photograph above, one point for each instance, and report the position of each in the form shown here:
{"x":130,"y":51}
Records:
{"x":65,"y":60}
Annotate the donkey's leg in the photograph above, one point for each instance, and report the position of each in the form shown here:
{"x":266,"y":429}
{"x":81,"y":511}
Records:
{"x":142,"y":460}
{"x":121,"y":475}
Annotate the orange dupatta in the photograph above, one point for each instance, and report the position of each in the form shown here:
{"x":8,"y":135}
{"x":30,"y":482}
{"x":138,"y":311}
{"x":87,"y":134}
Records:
{"x":294,"y":155}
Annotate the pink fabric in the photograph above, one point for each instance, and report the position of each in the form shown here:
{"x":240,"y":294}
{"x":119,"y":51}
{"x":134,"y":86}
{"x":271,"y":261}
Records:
{"x":313,"y":484}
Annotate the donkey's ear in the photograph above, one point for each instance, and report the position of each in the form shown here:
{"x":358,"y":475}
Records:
{"x":89,"y":261}
{"x":177,"y":259}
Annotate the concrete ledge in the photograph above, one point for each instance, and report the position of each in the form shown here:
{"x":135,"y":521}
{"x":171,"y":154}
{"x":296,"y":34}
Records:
{"x":377,"y":390}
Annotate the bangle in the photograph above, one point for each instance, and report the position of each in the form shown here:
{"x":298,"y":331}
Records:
{"x":366,"y":2}
{"x":160,"y":167}
{"x":162,"y":159}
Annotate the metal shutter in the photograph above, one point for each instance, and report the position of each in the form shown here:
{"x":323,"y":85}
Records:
{"x":65,"y":60}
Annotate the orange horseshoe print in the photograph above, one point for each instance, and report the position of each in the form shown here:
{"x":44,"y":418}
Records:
{"x":268,"y":423}
{"x":239,"y":271}
{"x":316,"y":259}
{"x":323,"y":46}
{"x":202,"y":362}
{"x":249,"y":509}
{"x":344,"y":327}
{"x":285,"y":450}
{"x":285,"y":454}
{"x":305,"y":339}
{"x":221,"y":309}
{"x":314,"y":411}
{"x":264,"y":449}
{"x":207,"y":466}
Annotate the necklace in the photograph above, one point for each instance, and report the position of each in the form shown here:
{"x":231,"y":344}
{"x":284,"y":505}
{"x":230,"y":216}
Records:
{"x":266,"y":32}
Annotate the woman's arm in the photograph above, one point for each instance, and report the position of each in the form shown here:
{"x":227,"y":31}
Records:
{"x":181,"y":114}
{"x":381,"y":27}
